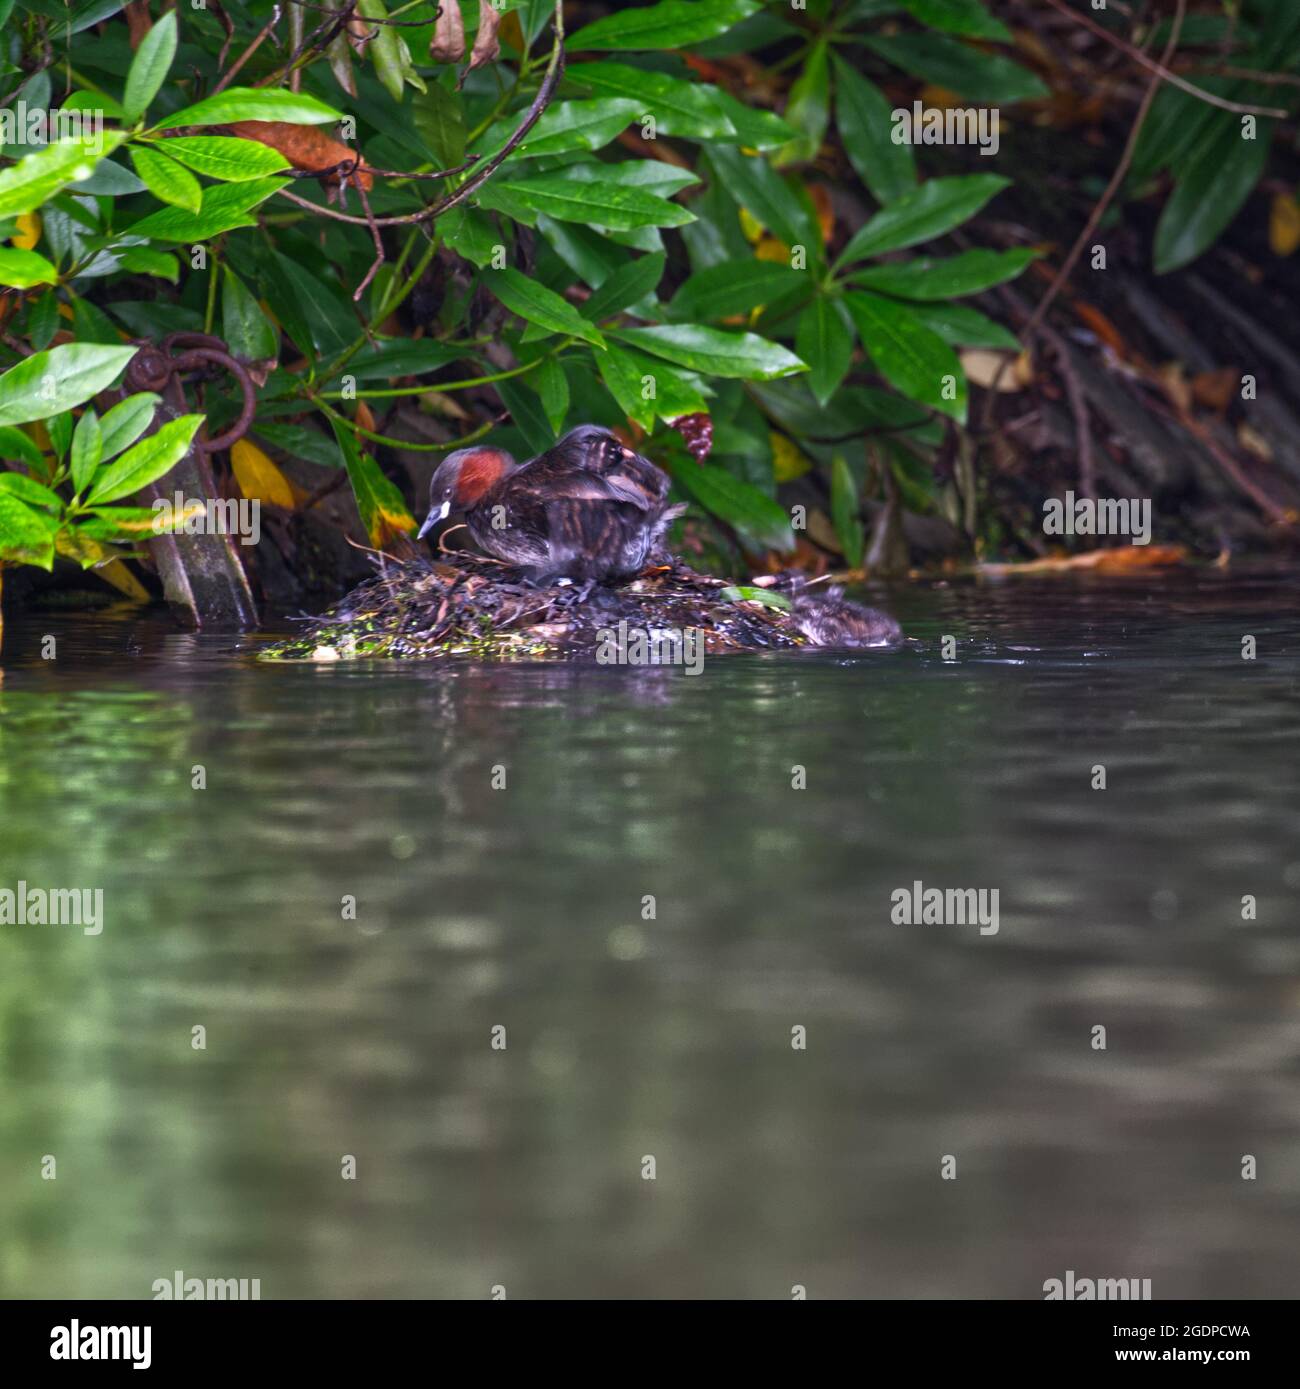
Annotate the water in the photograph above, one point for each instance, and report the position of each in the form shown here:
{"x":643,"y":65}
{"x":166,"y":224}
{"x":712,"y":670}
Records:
{"x":522,"y":908}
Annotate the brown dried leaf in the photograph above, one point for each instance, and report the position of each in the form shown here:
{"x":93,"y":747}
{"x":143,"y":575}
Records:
{"x":487,"y":46}
{"x":448,"y":42}
{"x":304,"y":146}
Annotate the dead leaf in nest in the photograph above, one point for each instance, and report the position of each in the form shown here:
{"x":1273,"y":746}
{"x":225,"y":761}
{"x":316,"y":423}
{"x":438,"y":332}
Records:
{"x":1215,"y":389}
{"x":1284,"y":225}
{"x":1254,"y":443}
{"x":1120,"y":560}
{"x":983,"y":367}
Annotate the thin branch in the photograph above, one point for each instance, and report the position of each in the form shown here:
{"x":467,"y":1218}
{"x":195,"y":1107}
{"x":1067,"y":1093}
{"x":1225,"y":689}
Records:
{"x":1116,"y":179}
{"x":1137,"y":56}
{"x":229,"y":76}
{"x":554,"y":71}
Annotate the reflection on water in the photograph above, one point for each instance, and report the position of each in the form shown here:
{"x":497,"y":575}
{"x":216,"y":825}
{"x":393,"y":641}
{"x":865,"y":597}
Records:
{"x":522,"y":908}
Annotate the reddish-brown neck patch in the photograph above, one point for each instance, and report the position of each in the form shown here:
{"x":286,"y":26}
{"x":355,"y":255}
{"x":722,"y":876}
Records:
{"x":481,"y":470}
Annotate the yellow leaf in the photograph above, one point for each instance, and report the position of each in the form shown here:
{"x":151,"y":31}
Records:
{"x":259,"y":479}
{"x":769,"y":248}
{"x":787,"y":462}
{"x":1284,"y":225}
{"x":28,"y":233}
{"x":155,"y":526}
{"x":117,"y":574}
{"x":92,"y":554}
{"x":750,"y":226}
{"x":983,"y":367}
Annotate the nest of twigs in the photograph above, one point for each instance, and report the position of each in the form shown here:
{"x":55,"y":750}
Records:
{"x":468,"y":605}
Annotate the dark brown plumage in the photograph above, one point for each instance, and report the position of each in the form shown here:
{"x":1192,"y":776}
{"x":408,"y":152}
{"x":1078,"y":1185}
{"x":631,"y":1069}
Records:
{"x":588,"y":508}
{"x":829,"y":619}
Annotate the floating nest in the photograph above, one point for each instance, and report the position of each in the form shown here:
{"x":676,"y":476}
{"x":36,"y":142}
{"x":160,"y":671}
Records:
{"x":469,"y":605}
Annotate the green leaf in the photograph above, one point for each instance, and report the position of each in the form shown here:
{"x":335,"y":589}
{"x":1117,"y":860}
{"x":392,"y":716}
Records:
{"x":254,"y":104}
{"x":615,"y":208}
{"x":224,"y":156}
{"x":809,"y":106}
{"x":527,"y":415}
{"x":130,"y":523}
{"x":745,"y":356}
{"x":846,"y":514}
{"x":864,"y":116}
{"x":651,"y":174}
{"x":964,"y":17}
{"x":28,"y":490}
{"x":23,"y":269}
{"x":750,"y":593}
{"x":391,"y":56}
{"x":592,"y":258}
{"x":764,"y":194}
{"x":440,"y":124}
{"x":934,"y":208}
{"x":572,"y":125}
{"x":469,"y":233}
{"x":37,"y":177}
{"x":149,"y":68}
{"x":824,"y":340}
{"x":755,"y":129}
{"x":645,"y":388}
{"x":144,"y":260}
{"x":300,"y":442}
{"x":48,"y":383}
{"x":968,"y":273}
{"x":59,"y":428}
{"x":553,"y":390}
{"x":109,"y":180}
{"x":247,"y":330}
{"x":17,"y":447}
{"x":391,"y":359}
{"x":225,"y":206}
{"x":292,"y":289}
{"x":680,"y":108}
{"x":382,"y":509}
{"x":1209,"y":191}
{"x":911,"y":357}
{"x":537,"y":304}
{"x":982,"y":77}
{"x":26,"y":536}
{"x":958,"y":324}
{"x":669,"y":24}
{"x":626,"y":287}
{"x":87,"y":449}
{"x":735,"y":287}
{"x":852,"y":410}
{"x":43,"y":320}
{"x":755,"y":515}
{"x":166,"y":179}
{"x":125,"y":422}
{"x":146,"y":461}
